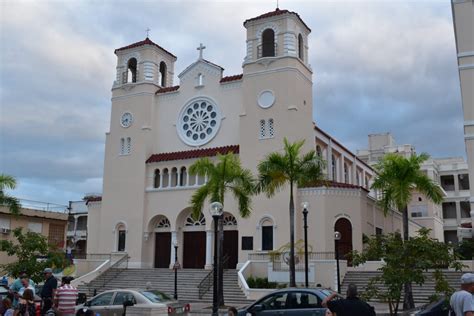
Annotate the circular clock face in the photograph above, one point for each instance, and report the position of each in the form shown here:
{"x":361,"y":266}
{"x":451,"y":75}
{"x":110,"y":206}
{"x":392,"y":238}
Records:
{"x":198,"y":122}
{"x":266,"y":99}
{"x":126,"y":119}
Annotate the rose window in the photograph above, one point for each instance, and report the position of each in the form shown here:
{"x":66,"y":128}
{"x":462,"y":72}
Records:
{"x":199,"y":122}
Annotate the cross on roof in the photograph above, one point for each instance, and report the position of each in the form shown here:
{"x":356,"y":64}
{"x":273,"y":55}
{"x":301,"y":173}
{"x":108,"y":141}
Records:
{"x":147,"y":32}
{"x":200,"y":49}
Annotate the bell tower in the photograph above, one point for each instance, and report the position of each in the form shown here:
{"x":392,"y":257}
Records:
{"x":277,"y":85}
{"x":142,"y":69}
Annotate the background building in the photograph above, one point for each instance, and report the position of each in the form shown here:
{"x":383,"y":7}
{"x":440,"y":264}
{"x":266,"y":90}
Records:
{"x":50,"y":223}
{"x":444,"y":220}
{"x":77,"y":228}
{"x":463,"y":18}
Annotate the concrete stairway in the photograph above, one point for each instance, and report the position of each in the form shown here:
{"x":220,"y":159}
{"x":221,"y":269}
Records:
{"x":163,"y":280}
{"x":421,"y":294}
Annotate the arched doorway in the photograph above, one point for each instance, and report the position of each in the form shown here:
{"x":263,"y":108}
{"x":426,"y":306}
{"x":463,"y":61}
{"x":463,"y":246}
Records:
{"x":162,"y":242}
{"x":231,"y":240}
{"x":194,"y":241}
{"x":344,"y":226}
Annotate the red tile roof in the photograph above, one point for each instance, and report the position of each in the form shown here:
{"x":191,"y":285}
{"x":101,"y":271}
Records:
{"x":231,"y":78}
{"x":333,"y":184}
{"x":167,"y":89}
{"x":196,"y":153}
{"x":147,"y":41}
{"x":275,"y":13}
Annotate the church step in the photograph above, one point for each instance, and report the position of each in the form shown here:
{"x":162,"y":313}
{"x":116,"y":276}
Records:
{"x":163,"y":280}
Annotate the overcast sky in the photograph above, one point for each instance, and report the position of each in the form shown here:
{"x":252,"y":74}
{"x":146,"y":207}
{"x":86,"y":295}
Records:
{"x":379,"y":66}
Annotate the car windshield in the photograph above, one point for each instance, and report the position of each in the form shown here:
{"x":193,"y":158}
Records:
{"x":155,"y":296}
{"x":325,"y":293}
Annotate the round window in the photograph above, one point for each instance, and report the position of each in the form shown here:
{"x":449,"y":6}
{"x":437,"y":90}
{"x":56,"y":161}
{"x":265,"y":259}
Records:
{"x":198,"y":122}
{"x":266,"y":99}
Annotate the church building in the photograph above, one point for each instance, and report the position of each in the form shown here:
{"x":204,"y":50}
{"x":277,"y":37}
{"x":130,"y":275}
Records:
{"x":159,"y":128}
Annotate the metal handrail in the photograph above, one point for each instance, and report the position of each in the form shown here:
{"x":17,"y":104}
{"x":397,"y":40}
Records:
{"x":206,"y":282}
{"x":107,"y":277}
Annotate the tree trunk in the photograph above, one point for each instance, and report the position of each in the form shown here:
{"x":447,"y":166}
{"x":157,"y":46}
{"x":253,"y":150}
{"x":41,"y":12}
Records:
{"x":408,"y":301}
{"x":292,"y":238}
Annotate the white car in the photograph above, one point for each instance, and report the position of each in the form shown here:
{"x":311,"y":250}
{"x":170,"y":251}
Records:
{"x":113,"y":302}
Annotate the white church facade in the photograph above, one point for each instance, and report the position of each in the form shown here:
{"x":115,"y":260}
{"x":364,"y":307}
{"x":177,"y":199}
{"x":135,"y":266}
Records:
{"x":158,"y":130}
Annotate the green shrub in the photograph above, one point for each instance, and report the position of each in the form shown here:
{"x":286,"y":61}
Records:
{"x":261,"y":283}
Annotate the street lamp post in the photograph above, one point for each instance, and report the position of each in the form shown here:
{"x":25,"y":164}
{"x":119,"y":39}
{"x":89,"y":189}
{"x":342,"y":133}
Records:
{"x":216,"y":211}
{"x":337,"y":237}
{"x":305,"y":206}
{"x":176,"y":265}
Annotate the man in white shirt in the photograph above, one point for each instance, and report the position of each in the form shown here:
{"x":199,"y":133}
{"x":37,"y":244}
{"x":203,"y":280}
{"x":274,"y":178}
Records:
{"x":462,"y":302}
{"x":25,"y":282}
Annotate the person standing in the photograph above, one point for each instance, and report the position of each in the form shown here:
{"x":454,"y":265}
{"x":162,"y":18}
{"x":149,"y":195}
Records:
{"x":66,"y":297}
{"x":7,"y":307}
{"x":25,"y":282}
{"x":69,"y":254}
{"x":48,"y":291}
{"x":26,"y":304}
{"x":19,"y":284}
{"x":462,"y":301}
{"x":351,"y":306}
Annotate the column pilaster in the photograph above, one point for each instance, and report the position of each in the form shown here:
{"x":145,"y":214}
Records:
{"x":208,"y":265}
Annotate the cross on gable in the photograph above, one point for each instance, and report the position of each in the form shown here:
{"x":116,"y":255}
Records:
{"x":200,"y":49}
{"x":147,"y":32}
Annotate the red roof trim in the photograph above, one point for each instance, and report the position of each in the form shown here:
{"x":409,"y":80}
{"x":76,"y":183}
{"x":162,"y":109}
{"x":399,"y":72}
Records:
{"x":276,"y":13}
{"x":334,"y":184}
{"x":196,"y":153}
{"x":340,"y":145}
{"x":167,"y":89}
{"x":231,"y":78}
{"x":147,"y":41}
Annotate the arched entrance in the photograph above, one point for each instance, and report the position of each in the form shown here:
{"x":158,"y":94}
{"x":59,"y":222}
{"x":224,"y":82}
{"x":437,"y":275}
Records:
{"x":231,"y":240}
{"x":162,"y":242}
{"x":344,"y":226}
{"x":194,"y":242}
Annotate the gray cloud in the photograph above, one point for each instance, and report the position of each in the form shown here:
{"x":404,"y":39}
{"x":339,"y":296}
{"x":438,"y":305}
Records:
{"x":378,"y":66}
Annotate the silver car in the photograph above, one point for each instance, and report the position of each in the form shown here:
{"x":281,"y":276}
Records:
{"x":113,"y":302}
{"x":293,"y":301}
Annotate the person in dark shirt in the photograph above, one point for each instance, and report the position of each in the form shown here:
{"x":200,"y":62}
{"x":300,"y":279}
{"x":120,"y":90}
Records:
{"x":351,"y":306}
{"x":49,"y":290}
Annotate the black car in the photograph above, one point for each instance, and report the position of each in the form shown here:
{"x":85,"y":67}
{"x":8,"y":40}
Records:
{"x":438,"y":308}
{"x":289,"y":302}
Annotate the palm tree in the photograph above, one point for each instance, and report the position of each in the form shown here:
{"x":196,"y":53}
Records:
{"x":226,"y":175}
{"x":8,"y":182}
{"x":291,"y":168}
{"x":397,"y":178}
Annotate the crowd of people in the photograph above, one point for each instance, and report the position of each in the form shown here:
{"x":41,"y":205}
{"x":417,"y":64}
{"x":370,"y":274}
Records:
{"x":51,"y":299}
